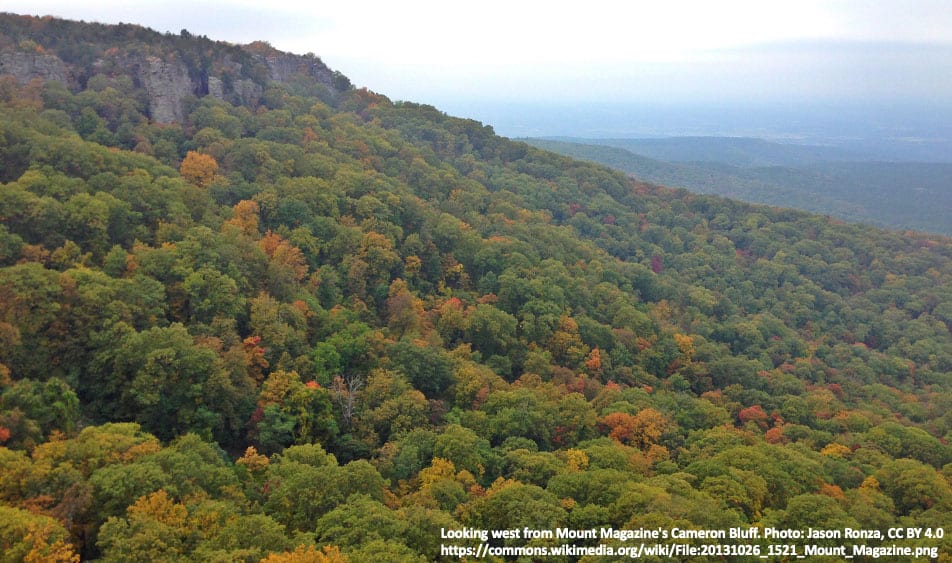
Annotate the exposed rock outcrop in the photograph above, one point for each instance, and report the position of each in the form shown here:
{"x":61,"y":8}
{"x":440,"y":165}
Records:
{"x":27,"y":66}
{"x":168,"y":68}
{"x":216,"y":88}
{"x":247,"y":92}
{"x":167,"y":85}
{"x":285,"y":65}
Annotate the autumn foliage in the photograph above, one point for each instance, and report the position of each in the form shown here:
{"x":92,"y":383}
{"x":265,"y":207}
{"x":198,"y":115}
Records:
{"x":347,"y":322}
{"x":198,"y":169}
{"x":309,"y":554}
{"x":641,"y":430}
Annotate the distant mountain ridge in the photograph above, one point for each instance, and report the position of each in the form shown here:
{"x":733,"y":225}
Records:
{"x":837,"y":182}
{"x":743,"y":152}
{"x":167,"y":68}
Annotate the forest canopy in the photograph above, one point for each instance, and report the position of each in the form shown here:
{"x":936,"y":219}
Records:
{"x":317,"y":314}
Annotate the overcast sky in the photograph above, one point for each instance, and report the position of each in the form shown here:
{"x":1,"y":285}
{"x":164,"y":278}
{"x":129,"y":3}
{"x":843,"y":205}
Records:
{"x":597,"y":50}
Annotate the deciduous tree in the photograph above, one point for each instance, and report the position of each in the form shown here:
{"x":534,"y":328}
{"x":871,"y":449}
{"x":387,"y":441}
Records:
{"x":198,"y":169}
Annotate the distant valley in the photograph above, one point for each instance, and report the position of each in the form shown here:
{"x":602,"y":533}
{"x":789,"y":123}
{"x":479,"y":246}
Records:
{"x":846,"y":184}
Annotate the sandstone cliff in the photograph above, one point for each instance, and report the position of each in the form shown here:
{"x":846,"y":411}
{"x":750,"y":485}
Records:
{"x":168,"y":68}
{"x":26,"y":66}
{"x":167,"y":84}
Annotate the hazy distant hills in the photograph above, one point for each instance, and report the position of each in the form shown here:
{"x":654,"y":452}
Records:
{"x":834,"y":181}
{"x":736,"y":151}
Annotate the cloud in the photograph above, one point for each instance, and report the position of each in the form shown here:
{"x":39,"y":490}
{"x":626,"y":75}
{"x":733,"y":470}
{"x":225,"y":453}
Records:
{"x":235,"y":21}
{"x":603,"y":49}
{"x":911,"y":21}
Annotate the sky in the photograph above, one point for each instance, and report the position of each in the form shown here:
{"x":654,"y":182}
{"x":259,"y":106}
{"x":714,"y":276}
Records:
{"x":469,"y":55}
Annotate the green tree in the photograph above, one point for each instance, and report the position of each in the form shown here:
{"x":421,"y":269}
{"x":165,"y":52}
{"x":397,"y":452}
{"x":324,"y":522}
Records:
{"x":347,"y":351}
{"x":358,"y":521}
{"x":510,"y":504}
{"x":914,"y":486}
{"x":210,"y":294}
{"x":490,"y":330}
{"x":52,"y":405}
{"x":162,"y":379}
{"x":428,"y":368}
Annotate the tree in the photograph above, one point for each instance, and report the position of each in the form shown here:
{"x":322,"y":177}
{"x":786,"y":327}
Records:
{"x":566,"y":344}
{"x":198,"y":169}
{"x":401,"y":413}
{"x":520,"y":412}
{"x":641,"y":430}
{"x":490,"y":330}
{"x":290,"y":411}
{"x":914,"y":486}
{"x":348,"y":352}
{"x":464,"y":448}
{"x":164,"y":380}
{"x":404,"y":311}
{"x":305,"y":482}
{"x":426,"y":367}
{"x":510,"y":504}
{"x":52,"y":405}
{"x":308,"y":554}
{"x":287,"y":266}
{"x":155,"y":529}
{"x":739,"y":489}
{"x":226,"y":532}
{"x":441,"y":486}
{"x":358,"y":521}
{"x":29,"y":305}
{"x":245,"y":216}
{"x":281,"y":326}
{"x":33,"y":538}
{"x":754,"y":415}
{"x":812,"y":511}
{"x":210,"y":294}
{"x":194,"y":466}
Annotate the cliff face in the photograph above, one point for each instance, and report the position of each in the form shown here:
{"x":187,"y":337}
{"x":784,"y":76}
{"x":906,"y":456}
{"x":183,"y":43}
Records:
{"x":167,"y":85}
{"x":283,"y":66}
{"x":27,"y":66}
{"x":169,"y":68}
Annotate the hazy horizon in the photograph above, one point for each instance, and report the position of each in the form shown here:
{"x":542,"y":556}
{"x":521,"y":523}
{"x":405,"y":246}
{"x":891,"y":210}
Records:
{"x":888,"y":131}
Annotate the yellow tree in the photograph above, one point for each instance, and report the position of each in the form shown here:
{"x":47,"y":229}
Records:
{"x":156,"y":528}
{"x":198,"y":169}
{"x":287,"y":266}
{"x":566,"y":344}
{"x":308,"y":554}
{"x":245,"y":216}
{"x":33,"y":538}
{"x":405,"y":313}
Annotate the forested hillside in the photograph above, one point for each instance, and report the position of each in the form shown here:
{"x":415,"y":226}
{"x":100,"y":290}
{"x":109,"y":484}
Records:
{"x":346,"y":323}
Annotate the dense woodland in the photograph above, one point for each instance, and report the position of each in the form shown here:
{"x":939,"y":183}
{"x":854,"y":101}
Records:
{"x":347,"y":324}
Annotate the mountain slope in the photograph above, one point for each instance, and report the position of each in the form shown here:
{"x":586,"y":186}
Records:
{"x":351,"y":323}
